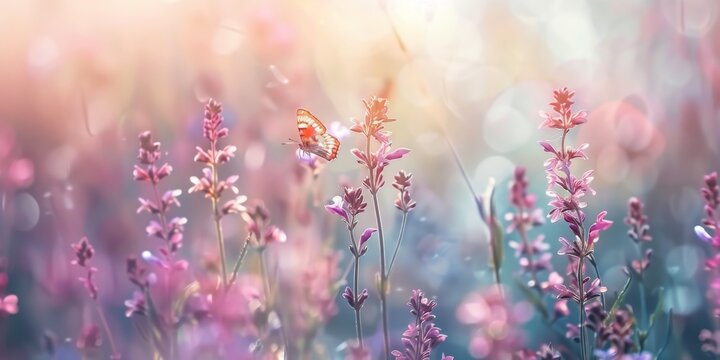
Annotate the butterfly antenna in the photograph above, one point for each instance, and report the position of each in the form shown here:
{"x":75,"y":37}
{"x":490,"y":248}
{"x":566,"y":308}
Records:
{"x":290,"y":142}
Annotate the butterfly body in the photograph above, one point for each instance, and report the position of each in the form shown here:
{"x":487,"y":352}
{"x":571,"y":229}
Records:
{"x":314,"y":138}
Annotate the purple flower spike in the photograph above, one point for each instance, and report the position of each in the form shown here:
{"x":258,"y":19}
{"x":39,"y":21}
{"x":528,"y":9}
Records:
{"x":422,"y":335}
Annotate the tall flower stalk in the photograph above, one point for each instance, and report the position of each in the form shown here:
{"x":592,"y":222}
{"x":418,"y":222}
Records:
{"x":373,"y":128}
{"x":533,"y":255}
{"x":639,"y":232}
{"x":169,"y":231}
{"x":210,"y":184}
{"x":567,"y":192}
{"x":348,"y":207}
{"x":83,"y":254}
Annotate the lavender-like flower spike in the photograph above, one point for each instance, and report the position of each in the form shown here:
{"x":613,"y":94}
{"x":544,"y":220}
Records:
{"x":533,"y":256}
{"x":422,"y":335}
{"x":567,"y":191}
{"x":210,"y":183}
{"x":637,"y":221}
{"x":404,"y":201}
{"x":639,"y":232}
{"x":84,"y":252}
{"x":348,"y":207}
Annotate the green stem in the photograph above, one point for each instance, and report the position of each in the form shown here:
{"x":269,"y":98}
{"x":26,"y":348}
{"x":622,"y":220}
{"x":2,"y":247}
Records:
{"x":239,"y":262}
{"x":397,"y":244}
{"x":526,"y":243}
{"x":641,"y":285}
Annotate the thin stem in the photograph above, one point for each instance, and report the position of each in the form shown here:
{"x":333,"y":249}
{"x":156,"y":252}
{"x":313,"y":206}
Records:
{"x":464,"y":173}
{"x":397,"y":244}
{"x":383,"y":279}
{"x":106,"y":327}
{"x":643,"y":308}
{"x":356,"y":287}
{"x":597,"y":274}
{"x":581,"y":302}
{"x":643,"y":303}
{"x":239,"y":262}
{"x":217,"y":216}
{"x":358,"y":325}
{"x":266,"y":280}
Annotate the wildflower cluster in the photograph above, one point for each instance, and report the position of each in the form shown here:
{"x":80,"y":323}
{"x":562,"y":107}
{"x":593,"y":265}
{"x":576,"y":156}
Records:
{"x":567,"y":193}
{"x":422,"y":335}
{"x":618,"y":333}
{"x":160,"y":316}
{"x":259,"y":228}
{"x":351,"y":203}
{"x":496,"y":325}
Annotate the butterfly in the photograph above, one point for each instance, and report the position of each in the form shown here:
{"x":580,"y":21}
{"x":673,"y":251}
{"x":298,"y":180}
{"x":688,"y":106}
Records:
{"x":314,"y":138}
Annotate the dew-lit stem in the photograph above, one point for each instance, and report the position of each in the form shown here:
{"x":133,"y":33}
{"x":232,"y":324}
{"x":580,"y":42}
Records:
{"x":106,"y":328}
{"x":356,"y":288}
{"x":239,"y":262}
{"x":526,"y":244}
{"x":397,"y":244}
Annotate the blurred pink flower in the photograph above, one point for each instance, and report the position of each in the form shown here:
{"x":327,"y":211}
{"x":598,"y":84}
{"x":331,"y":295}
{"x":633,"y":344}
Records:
{"x":496,"y":327}
{"x":8,"y":305}
{"x":257,"y":219}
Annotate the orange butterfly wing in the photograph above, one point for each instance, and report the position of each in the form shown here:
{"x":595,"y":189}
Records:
{"x":314,"y":137}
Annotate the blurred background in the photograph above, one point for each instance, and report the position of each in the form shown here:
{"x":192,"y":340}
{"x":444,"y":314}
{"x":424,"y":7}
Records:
{"x":80,"y":79}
